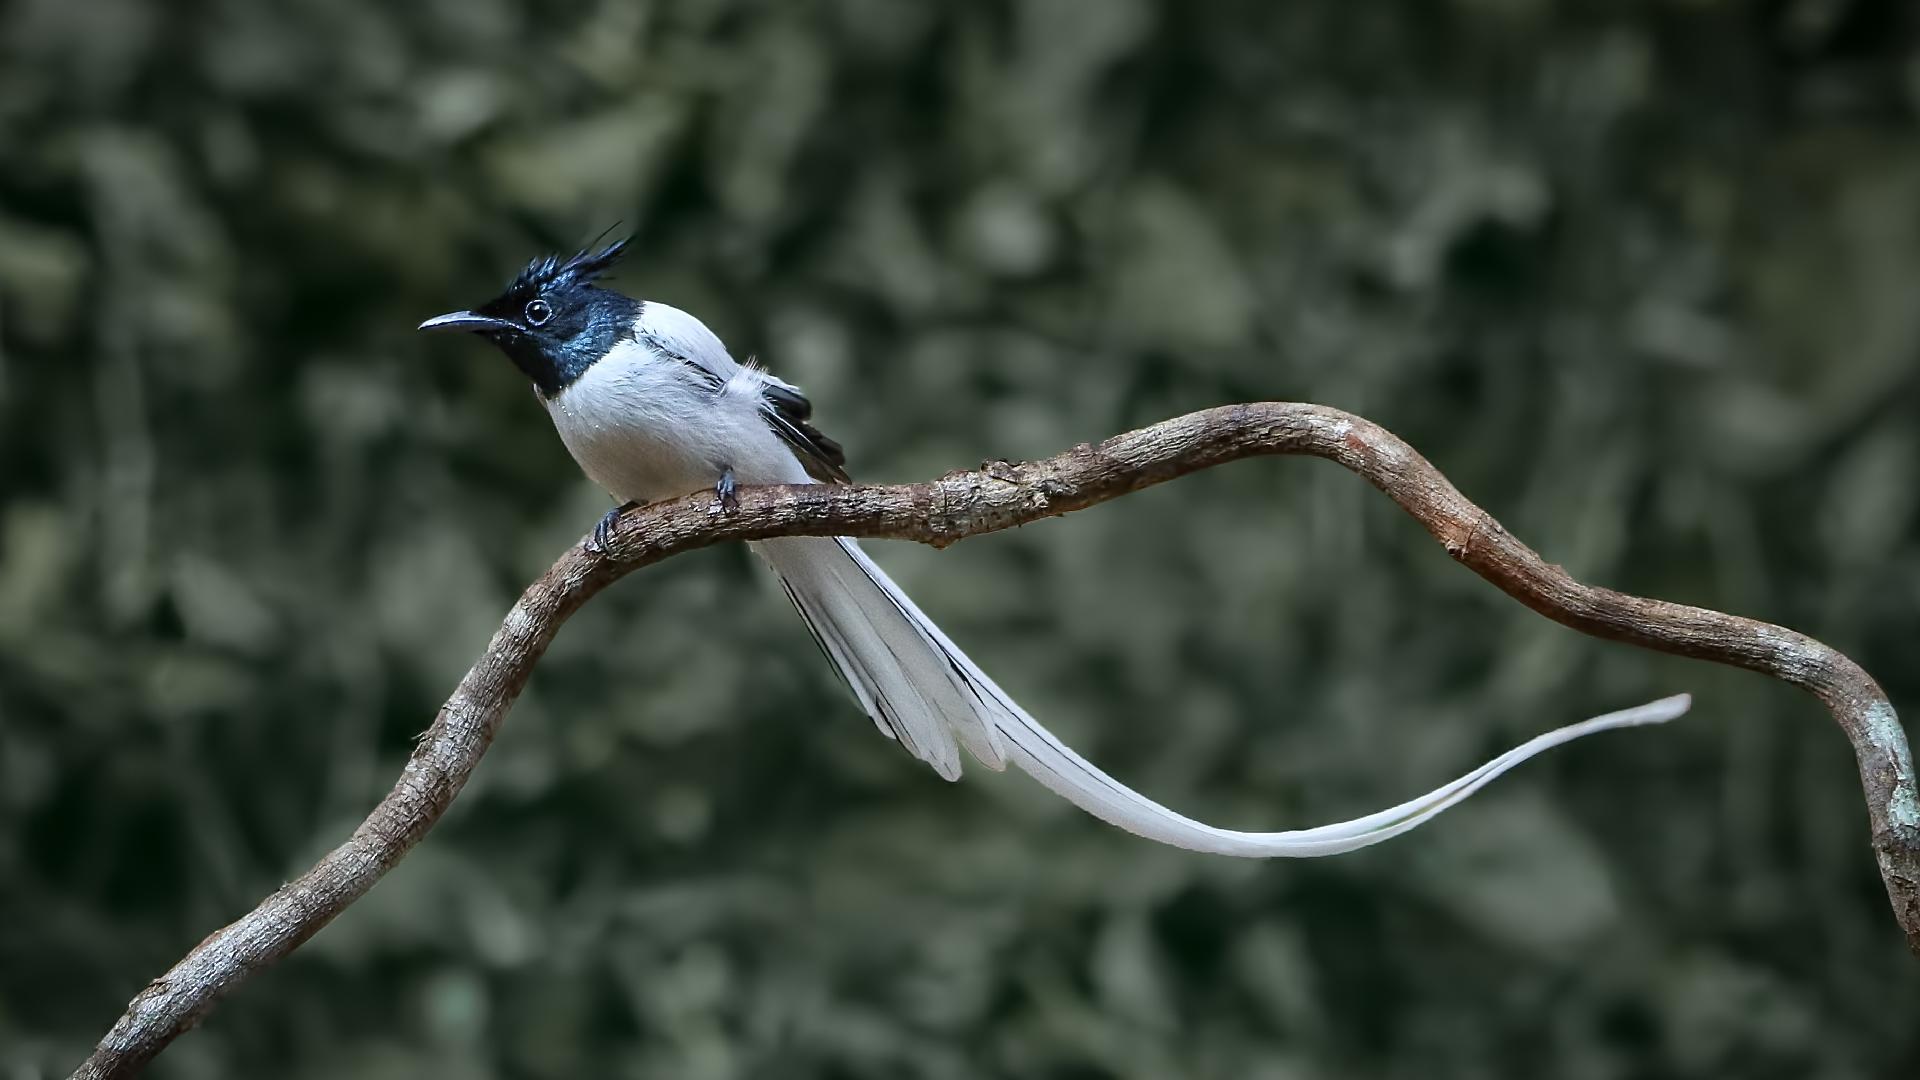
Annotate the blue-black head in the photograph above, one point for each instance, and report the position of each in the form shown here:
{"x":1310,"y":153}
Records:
{"x":552,"y":321}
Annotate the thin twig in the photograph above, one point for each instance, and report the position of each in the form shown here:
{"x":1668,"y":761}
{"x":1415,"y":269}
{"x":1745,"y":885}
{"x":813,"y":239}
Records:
{"x":1000,"y":495}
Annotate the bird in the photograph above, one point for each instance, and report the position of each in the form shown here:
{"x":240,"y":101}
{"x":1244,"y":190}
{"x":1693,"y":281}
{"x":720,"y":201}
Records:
{"x":652,"y":406}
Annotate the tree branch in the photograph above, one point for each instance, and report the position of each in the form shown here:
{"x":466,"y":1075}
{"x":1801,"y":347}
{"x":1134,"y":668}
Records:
{"x":997,"y":496}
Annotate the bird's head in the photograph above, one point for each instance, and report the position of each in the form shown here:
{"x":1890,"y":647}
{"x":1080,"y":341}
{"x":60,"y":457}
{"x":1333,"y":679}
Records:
{"x":552,"y":321}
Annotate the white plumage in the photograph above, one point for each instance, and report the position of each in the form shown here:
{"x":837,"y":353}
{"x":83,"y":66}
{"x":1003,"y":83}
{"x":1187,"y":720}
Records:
{"x":667,"y":412}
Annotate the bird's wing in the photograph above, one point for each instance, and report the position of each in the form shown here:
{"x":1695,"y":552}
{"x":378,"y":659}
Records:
{"x":676,"y":335}
{"x":789,"y":413}
{"x":703,"y":373}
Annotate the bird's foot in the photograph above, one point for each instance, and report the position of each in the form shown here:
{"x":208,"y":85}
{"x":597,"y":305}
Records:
{"x":725,"y":496}
{"x":602,"y":539}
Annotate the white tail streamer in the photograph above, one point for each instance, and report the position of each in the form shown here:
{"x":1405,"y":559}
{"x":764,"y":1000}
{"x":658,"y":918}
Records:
{"x":922,"y":690}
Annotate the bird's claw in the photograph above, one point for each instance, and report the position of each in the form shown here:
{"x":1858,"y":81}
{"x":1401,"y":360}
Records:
{"x":602,"y":539}
{"x":725,"y":493}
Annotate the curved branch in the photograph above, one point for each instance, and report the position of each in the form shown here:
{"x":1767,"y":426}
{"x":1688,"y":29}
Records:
{"x":1001,"y":495}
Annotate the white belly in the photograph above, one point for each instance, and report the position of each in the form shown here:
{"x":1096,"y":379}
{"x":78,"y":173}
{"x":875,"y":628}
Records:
{"x":646,"y":427}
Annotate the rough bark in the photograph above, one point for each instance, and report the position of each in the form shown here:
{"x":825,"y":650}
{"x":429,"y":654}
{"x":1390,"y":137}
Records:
{"x":1001,"y":495}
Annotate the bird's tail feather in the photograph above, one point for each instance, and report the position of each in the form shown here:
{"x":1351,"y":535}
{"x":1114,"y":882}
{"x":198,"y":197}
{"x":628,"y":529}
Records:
{"x":922,"y":690}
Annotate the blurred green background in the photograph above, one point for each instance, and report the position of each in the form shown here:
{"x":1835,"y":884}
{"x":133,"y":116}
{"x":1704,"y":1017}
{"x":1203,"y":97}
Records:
{"x":1639,"y":276}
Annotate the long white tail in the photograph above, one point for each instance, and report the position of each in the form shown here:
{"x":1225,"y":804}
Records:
{"x":922,"y":690}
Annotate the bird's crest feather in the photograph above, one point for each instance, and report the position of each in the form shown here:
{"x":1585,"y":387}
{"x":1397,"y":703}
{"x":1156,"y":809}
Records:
{"x":550,"y":271}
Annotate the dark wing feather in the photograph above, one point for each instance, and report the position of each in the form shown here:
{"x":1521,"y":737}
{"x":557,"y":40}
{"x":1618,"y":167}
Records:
{"x":711,"y":381}
{"x":789,"y":412}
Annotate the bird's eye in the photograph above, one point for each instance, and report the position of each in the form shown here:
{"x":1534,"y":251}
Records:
{"x":538,"y":312}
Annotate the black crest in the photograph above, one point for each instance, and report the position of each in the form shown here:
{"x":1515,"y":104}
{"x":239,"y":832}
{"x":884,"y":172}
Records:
{"x":551,"y":273}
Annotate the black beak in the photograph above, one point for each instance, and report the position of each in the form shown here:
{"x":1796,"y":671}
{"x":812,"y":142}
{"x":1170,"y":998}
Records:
{"x":468,"y":321}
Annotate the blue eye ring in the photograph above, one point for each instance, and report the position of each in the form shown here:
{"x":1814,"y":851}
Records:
{"x":538,"y":312}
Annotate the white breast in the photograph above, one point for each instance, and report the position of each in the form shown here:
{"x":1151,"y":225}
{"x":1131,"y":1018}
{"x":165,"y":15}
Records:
{"x":648,"y":426}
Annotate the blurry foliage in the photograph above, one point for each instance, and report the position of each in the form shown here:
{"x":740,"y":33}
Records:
{"x":1639,"y":276}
